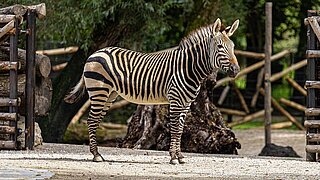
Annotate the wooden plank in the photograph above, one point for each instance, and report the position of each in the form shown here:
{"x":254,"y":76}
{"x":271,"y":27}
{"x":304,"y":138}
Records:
{"x":313,"y":148}
{"x":315,"y":26}
{"x":7,"y":130}
{"x":9,"y":102}
{"x":312,"y":123}
{"x":232,"y":111}
{"x":294,"y":84}
{"x":313,"y":53}
{"x":7,"y":145}
{"x":312,"y":112}
{"x":292,"y":104}
{"x":8,"y":116}
{"x":312,"y":137}
{"x":6,"y":18}
{"x":293,"y":67}
{"x":5,"y":29}
{"x":312,"y":84}
{"x":252,"y":68}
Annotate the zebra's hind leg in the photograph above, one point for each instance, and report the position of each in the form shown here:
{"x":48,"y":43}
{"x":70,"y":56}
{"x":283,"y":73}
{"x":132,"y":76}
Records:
{"x":99,"y":106}
{"x":177,"y":116}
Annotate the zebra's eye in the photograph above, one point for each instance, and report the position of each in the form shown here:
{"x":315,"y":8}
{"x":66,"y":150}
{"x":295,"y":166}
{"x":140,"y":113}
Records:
{"x":220,"y":46}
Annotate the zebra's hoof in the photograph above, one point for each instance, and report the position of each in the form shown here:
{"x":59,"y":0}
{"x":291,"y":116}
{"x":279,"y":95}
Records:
{"x":98,"y":158}
{"x":181,"y":160}
{"x":174,"y":161}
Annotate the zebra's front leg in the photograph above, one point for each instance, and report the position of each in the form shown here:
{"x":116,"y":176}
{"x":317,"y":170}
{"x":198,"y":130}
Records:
{"x":177,"y":116}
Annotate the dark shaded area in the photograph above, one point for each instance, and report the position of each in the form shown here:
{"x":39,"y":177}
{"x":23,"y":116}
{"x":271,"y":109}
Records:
{"x":278,"y":151}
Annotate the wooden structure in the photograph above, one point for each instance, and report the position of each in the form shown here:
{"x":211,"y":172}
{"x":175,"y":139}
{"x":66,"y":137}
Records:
{"x":20,"y":64}
{"x":312,"y":112}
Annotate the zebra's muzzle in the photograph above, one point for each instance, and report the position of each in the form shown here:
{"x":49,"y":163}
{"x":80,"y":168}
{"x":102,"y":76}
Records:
{"x":233,"y":70}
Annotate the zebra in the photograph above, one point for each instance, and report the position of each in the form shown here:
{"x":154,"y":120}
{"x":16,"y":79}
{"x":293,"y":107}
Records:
{"x":169,"y":77}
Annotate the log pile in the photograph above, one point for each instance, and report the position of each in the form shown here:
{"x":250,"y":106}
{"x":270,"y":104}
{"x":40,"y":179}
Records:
{"x":43,"y":89}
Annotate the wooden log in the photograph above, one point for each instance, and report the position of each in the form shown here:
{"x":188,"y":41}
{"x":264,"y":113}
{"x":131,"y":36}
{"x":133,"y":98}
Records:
{"x":315,"y":26}
{"x":113,"y":126}
{"x":119,"y":104}
{"x":59,"y":67}
{"x":294,"y":84}
{"x":252,"y":68}
{"x":312,"y":112}
{"x":59,"y":51}
{"x":241,"y":98}
{"x":232,"y":112}
{"x":281,"y":125}
{"x":7,"y":130}
{"x":42,"y":62}
{"x":9,"y":102}
{"x":313,"y":148}
{"x":276,"y":105}
{"x":7,"y":145}
{"x":249,"y":54}
{"x":313,"y":137}
{"x":223,"y":95}
{"x":267,"y":72}
{"x":8,"y":116}
{"x":6,"y":18}
{"x":292,"y":104}
{"x":5,"y":29}
{"x":306,"y":21}
{"x":296,"y":66}
{"x":313,"y":53}
{"x":258,"y":85}
{"x":312,"y":123}
{"x":312,"y":84}
{"x":6,"y":66}
{"x":21,"y":10}
{"x":247,"y":118}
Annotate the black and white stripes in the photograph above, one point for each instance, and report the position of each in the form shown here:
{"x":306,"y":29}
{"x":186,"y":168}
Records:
{"x":167,"y":77}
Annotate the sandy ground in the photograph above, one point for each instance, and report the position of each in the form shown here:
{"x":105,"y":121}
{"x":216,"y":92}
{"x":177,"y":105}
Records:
{"x":74,"y":162}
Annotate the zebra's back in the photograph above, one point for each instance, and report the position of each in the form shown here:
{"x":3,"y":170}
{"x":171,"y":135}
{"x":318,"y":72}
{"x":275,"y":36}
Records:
{"x":140,"y":78}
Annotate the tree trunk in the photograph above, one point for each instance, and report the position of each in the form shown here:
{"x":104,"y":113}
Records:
{"x":204,"y":130}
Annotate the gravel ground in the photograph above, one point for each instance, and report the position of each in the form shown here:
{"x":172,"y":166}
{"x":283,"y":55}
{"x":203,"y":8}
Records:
{"x":74,"y":162}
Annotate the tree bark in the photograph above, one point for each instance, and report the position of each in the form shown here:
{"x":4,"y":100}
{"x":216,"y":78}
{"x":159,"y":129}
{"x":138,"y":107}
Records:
{"x":204,"y":131}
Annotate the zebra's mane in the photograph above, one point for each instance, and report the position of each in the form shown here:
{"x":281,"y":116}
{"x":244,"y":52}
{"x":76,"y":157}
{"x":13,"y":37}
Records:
{"x":197,"y":35}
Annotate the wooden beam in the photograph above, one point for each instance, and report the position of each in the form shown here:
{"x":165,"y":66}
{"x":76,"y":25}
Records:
{"x":276,"y":105}
{"x":247,"y":118}
{"x":7,"y":130}
{"x":313,"y":148}
{"x":232,"y":111}
{"x":59,"y":67}
{"x":313,"y":53}
{"x":312,"y":112}
{"x":296,"y":66}
{"x":7,"y":145}
{"x":252,"y":68}
{"x":6,"y":18}
{"x":59,"y":51}
{"x":249,"y":54}
{"x":313,"y":137}
{"x":312,"y":123}
{"x":241,"y":99}
{"x":281,"y":125}
{"x":9,"y":102}
{"x":8,"y":116}
{"x":315,"y":26}
{"x":294,"y":84}
{"x":312,"y":84}
{"x":292,"y":104}
{"x":6,"y":28}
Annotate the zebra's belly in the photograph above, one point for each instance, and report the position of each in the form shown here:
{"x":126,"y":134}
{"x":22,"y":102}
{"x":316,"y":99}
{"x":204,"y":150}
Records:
{"x":146,"y":101}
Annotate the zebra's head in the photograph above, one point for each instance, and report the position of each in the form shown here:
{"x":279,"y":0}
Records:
{"x":222,"y":48}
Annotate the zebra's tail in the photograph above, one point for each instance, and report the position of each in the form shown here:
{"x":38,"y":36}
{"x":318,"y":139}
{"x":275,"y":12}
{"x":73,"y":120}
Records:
{"x":76,"y":93}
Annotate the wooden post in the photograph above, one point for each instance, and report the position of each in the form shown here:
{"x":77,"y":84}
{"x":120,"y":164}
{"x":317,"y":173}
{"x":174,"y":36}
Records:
{"x":30,"y":78}
{"x":296,"y":86}
{"x":267,"y":68}
{"x":13,"y":75}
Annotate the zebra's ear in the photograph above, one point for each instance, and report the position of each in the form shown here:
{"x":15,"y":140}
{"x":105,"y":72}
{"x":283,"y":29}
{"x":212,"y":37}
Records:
{"x":216,"y":26}
{"x":233,"y":28}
